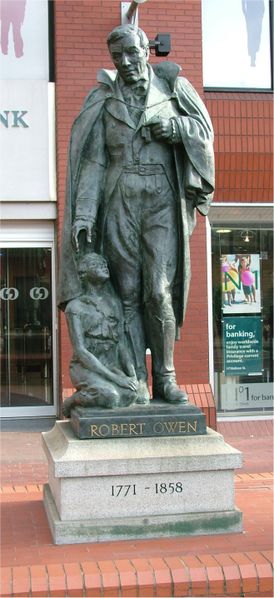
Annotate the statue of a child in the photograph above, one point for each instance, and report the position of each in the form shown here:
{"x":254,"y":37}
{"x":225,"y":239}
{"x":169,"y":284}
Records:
{"x":101,"y":369}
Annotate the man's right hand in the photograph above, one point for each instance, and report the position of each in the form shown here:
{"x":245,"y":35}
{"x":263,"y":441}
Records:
{"x":79,"y":225}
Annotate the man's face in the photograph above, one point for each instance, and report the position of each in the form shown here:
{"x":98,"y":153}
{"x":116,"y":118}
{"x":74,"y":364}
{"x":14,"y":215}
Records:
{"x":129,"y":58}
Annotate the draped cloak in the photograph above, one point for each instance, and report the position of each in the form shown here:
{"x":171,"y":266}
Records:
{"x":194,"y":168}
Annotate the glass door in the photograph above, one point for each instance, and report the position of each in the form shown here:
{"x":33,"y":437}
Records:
{"x":27,"y":339}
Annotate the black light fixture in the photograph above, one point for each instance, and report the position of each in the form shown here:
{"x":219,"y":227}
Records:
{"x":161,"y":44}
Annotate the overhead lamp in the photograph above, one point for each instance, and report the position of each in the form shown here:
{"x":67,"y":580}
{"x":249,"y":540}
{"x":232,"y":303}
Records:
{"x":247,"y":235}
{"x":223,"y":230}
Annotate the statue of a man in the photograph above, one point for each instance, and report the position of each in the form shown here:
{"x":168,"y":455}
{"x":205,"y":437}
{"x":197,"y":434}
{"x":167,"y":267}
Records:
{"x":141,"y":160}
{"x":100,"y":369}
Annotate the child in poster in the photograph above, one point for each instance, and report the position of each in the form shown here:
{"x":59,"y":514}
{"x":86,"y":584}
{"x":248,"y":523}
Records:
{"x":241,"y":283}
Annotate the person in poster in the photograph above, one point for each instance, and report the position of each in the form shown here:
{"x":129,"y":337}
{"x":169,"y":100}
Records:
{"x":228,"y":285}
{"x":240,"y":275}
{"x":247,"y":279}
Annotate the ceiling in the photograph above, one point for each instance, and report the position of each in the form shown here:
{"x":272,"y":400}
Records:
{"x":241,"y":214}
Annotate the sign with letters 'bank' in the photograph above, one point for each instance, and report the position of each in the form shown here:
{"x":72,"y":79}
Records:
{"x":24,"y":104}
{"x":24,"y":141}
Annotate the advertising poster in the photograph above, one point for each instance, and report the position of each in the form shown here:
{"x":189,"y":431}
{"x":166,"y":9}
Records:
{"x":237,"y":52}
{"x":24,"y":39}
{"x":241,"y":283}
{"x":26,"y":102}
{"x":242,"y":346}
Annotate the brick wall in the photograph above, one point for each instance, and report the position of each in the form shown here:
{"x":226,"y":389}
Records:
{"x":243,"y":125}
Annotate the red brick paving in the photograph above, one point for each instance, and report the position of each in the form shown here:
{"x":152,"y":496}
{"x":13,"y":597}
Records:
{"x":222,"y":565}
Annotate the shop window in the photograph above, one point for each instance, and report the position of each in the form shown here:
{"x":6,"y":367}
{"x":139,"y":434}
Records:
{"x":26,"y":327}
{"x":242,"y":270}
{"x":236,"y":44}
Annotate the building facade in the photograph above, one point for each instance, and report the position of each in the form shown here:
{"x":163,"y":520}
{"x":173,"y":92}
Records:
{"x":50,"y":55}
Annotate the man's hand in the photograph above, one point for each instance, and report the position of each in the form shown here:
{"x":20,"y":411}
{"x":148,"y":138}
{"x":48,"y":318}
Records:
{"x":77,"y":227}
{"x":161,"y":128}
{"x":129,"y":382}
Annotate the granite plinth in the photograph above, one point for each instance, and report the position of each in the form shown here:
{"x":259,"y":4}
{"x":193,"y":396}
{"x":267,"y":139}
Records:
{"x":156,"y":419}
{"x":133,"y":528}
{"x":102,"y":489}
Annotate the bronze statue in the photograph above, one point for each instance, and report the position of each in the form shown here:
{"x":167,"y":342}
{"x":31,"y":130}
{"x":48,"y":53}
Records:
{"x":141,"y":161}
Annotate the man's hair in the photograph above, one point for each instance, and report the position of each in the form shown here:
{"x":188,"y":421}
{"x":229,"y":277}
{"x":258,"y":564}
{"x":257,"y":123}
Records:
{"x":123,"y":30}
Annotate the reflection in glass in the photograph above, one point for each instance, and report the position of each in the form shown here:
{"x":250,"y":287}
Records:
{"x":26,"y":327}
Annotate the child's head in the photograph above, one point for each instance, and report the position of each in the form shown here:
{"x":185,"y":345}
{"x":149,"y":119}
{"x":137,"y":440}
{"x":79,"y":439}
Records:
{"x":244,"y":262}
{"x":93,"y":267}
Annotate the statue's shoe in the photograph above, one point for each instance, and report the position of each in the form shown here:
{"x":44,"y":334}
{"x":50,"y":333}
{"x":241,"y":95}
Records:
{"x":171,"y":392}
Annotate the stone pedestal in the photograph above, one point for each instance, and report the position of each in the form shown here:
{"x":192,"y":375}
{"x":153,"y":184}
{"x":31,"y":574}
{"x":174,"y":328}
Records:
{"x":129,"y":488}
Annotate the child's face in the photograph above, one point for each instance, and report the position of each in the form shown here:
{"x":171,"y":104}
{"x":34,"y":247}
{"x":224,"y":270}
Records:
{"x":98,"y":270}
{"x":94,"y":270}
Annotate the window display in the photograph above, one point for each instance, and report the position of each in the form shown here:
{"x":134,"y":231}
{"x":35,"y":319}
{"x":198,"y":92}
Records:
{"x":242,"y":269}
